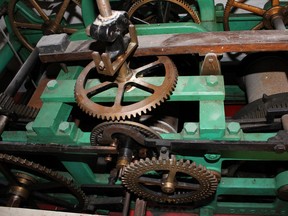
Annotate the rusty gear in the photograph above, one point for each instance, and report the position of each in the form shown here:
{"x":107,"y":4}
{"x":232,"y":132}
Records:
{"x":181,"y":3}
{"x":159,"y":93}
{"x":169,"y":181}
{"x":42,"y":172}
{"x":103,"y":133}
{"x":275,"y":10}
{"x":48,"y":26}
{"x":8,"y":107}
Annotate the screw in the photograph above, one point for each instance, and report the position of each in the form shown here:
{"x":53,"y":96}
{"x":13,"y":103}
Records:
{"x":163,"y":150}
{"x":191,"y":128}
{"x":64,"y":127}
{"x":212,"y":157}
{"x":52,"y":84}
{"x":211,"y":80}
{"x":280,"y":148}
{"x":233,"y":127}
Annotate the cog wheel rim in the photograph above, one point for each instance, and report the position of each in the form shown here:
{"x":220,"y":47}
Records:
{"x":181,"y":3}
{"x":133,"y":172}
{"x":129,"y":126}
{"x":47,"y":173}
{"x":17,"y":26}
{"x":118,"y":112}
{"x":265,"y":14}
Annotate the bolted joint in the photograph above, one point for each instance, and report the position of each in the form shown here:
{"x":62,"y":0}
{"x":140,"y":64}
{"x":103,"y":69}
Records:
{"x":212,"y":80}
{"x":64,"y":127}
{"x":52,"y":84}
{"x":233,"y":128}
{"x":280,"y":148}
{"x":191,"y":128}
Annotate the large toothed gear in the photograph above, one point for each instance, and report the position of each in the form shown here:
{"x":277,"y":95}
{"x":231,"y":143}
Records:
{"x":169,"y":181}
{"x":149,"y":15}
{"x":44,"y":183}
{"x":86,"y":95}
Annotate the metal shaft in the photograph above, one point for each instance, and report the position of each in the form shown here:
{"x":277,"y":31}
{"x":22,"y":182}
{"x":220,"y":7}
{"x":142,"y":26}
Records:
{"x":3,"y":121}
{"x":22,"y":74}
{"x":285,"y":122}
{"x":104,"y":8}
{"x":278,"y":23}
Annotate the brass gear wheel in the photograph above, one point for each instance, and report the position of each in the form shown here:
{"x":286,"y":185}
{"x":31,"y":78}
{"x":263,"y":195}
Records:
{"x":43,"y":182}
{"x":169,"y":181}
{"x":120,"y":111}
{"x":274,"y":10}
{"x":38,"y":21}
{"x":147,"y":17}
{"x":103,"y":134}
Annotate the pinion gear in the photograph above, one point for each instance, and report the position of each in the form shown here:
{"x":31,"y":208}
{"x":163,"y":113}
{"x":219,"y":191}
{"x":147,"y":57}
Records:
{"x":138,"y":80}
{"x":169,"y":181}
{"x":103,"y":133}
{"x":51,"y":180}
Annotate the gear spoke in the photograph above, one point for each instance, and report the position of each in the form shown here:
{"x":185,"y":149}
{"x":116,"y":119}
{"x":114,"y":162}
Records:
{"x":161,"y":10}
{"x":28,"y":25}
{"x":251,"y":8}
{"x":145,"y":86}
{"x":39,"y":10}
{"x":158,"y":94}
{"x":259,"y":26}
{"x":61,"y":12}
{"x":267,"y":14}
{"x":275,"y":3}
{"x":164,"y":173}
{"x":52,"y":181}
{"x":141,"y":71}
{"x":119,"y":95}
{"x":69,"y":30}
{"x":99,"y":88}
{"x":187,"y":186}
{"x":149,"y":181}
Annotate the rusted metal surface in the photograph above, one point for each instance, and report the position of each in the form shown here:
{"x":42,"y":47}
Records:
{"x":159,"y":93}
{"x":169,"y":44}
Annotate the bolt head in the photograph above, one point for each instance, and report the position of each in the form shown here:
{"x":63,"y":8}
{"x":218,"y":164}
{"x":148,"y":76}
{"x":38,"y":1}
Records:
{"x":233,"y":128}
{"x":191,"y":128}
{"x":52,"y":84}
{"x":64,"y":127}
{"x":212,"y":80}
{"x":280,"y":148}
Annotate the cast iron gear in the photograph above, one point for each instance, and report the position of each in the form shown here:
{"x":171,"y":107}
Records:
{"x":181,"y":3}
{"x":8,"y":107}
{"x":103,"y":133}
{"x":268,"y":14}
{"x":169,"y":180}
{"x":43,"y":24}
{"x":11,"y":167}
{"x":137,"y":80}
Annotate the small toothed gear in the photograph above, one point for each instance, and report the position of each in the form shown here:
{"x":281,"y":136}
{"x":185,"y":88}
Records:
{"x":169,"y":181}
{"x":103,"y":133}
{"x":136,"y":7}
{"x":8,"y":162}
{"x":119,"y":111}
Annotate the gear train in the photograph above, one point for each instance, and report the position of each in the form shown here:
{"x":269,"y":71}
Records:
{"x":145,"y":107}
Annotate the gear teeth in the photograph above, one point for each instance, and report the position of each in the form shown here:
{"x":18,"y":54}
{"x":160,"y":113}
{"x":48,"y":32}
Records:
{"x":206,"y":179}
{"x":167,"y":88}
{"x":48,"y":173}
